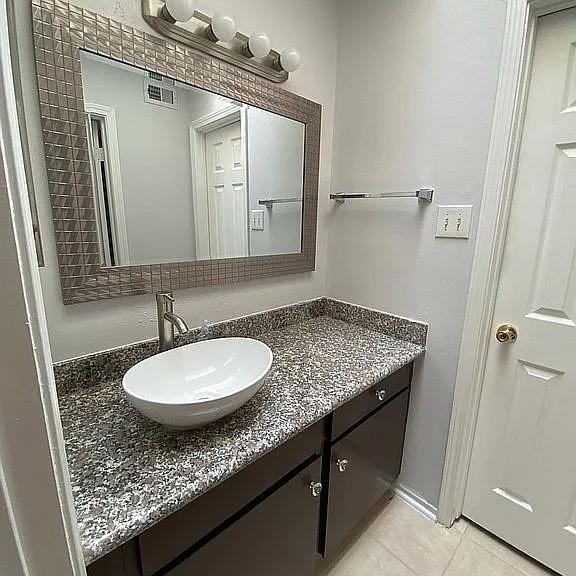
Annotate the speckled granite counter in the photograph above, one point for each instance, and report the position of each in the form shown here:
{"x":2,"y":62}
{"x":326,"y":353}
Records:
{"x":128,"y":472}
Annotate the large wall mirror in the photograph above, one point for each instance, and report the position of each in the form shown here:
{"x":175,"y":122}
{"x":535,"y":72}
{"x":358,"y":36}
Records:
{"x":168,"y":168}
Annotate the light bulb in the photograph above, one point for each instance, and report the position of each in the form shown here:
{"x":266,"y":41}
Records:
{"x":290,"y":60}
{"x":259,"y":44}
{"x":222,"y":28}
{"x":180,"y":10}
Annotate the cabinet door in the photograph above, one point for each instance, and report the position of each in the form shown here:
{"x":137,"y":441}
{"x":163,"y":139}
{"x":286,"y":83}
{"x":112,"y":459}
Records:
{"x":174,"y":535}
{"x":278,"y":536}
{"x":363,"y":466}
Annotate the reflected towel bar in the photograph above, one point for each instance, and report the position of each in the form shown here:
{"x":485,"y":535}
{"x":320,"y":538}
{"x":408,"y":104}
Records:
{"x":269,"y":202}
{"x":423,"y":195}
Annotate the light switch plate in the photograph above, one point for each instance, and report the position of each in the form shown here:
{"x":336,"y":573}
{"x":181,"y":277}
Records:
{"x":454,"y":221}
{"x":257,"y":220}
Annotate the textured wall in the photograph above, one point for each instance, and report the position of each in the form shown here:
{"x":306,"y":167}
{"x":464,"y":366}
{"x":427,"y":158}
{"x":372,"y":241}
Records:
{"x":418,"y":112}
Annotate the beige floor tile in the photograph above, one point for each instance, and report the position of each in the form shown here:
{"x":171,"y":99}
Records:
{"x":473,"y":560}
{"x":424,"y":546}
{"x":505,"y":552}
{"x":367,"y":557}
{"x":461,"y":525}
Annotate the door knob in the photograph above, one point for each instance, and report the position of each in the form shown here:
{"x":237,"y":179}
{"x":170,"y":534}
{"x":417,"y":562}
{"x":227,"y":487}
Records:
{"x":316,"y":489}
{"x":506,"y":333}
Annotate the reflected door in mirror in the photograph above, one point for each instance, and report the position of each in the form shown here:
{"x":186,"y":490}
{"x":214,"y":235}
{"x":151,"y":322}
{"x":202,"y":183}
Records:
{"x":227,"y":200}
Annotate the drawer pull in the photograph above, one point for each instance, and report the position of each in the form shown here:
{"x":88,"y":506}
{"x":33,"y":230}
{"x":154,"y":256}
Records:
{"x":381,"y":394}
{"x":342,"y":464}
{"x":316,"y":489}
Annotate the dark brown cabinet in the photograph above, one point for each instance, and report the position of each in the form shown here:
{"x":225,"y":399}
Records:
{"x":348,"y":415}
{"x":277,"y":537}
{"x":120,"y":562}
{"x":271,"y":518}
{"x":363,"y":466}
{"x":178,"y":533}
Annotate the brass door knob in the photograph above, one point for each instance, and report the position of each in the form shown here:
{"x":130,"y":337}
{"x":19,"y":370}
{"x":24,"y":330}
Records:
{"x":506,"y":333}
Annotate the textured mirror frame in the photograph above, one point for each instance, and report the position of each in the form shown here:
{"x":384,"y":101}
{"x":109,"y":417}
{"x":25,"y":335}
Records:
{"x":61,"y":31}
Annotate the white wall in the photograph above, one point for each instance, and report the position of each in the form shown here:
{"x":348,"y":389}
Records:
{"x":415,"y":94}
{"x":201,"y":103}
{"x":154,"y":147}
{"x":275,"y":170}
{"x":416,"y":87}
{"x":83,"y":328}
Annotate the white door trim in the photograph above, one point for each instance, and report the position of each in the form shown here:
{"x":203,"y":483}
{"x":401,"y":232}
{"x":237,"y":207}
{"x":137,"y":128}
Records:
{"x":120,"y":227}
{"x":198,"y":130}
{"x":496,"y":202}
{"x":42,"y":521}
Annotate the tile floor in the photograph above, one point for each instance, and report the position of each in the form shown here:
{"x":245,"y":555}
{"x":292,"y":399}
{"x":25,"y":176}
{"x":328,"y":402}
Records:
{"x":399,"y":541}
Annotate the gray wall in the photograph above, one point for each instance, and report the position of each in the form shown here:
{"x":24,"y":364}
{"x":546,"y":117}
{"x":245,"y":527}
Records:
{"x":154,"y":144}
{"x":416,"y":87}
{"x":84,"y":328}
{"x":415,"y":96}
{"x":275,"y":170}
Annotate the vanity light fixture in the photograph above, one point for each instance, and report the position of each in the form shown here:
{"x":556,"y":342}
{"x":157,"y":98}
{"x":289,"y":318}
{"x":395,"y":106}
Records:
{"x":258,"y":45}
{"x":222,"y":28}
{"x":219,"y":38}
{"x":178,"y":10}
{"x":289,"y":60}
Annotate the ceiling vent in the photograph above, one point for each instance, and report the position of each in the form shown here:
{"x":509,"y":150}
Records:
{"x":159,"y":90}
{"x":159,"y":78}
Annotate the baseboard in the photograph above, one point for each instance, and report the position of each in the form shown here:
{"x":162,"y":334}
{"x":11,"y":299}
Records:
{"x":416,"y":501}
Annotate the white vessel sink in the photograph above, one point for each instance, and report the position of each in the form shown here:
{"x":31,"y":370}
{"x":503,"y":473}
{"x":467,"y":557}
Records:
{"x":192,"y":385}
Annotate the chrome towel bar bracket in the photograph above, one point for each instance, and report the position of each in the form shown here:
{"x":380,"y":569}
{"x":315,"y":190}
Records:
{"x":423,"y":195}
{"x":269,"y":202}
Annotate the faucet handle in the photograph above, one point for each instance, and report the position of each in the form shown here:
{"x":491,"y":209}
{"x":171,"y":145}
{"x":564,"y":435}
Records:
{"x":165,"y":296}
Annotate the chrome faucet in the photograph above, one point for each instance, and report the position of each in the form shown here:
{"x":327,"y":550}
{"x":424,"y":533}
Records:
{"x":167,"y":320}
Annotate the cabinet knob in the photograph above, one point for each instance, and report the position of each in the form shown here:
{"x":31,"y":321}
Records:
{"x":316,"y":489}
{"x":342,"y":464}
{"x":381,"y":394}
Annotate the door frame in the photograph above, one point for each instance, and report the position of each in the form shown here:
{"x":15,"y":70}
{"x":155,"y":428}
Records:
{"x":507,"y":127}
{"x":114,"y":164}
{"x":37,"y":514}
{"x":198,"y":130}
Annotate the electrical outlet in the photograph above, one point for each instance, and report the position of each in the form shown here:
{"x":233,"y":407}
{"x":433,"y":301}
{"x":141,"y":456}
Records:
{"x":257,"y":220}
{"x":454,"y":221}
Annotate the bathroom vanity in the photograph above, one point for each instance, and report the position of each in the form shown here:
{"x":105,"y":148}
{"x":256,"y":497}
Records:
{"x":275,"y":487}
{"x":301,"y":499}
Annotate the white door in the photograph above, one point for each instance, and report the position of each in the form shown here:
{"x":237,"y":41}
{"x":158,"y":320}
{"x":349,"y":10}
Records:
{"x":522,"y":480}
{"x":227,"y":202}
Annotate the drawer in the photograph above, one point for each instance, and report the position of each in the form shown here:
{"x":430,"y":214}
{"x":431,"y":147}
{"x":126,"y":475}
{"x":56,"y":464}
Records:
{"x":173,"y":536}
{"x":352,"y":412}
{"x":278,"y":536}
{"x":362,"y":467}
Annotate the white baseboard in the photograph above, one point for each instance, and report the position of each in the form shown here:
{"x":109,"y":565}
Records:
{"x":416,"y":501}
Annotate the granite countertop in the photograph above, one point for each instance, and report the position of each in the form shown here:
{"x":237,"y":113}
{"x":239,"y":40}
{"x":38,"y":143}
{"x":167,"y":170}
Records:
{"x":128,"y":472}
